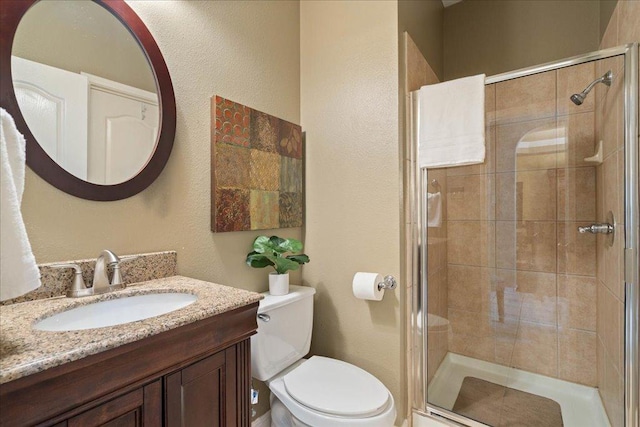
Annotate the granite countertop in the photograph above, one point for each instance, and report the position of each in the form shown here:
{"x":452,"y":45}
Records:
{"x":25,"y":351}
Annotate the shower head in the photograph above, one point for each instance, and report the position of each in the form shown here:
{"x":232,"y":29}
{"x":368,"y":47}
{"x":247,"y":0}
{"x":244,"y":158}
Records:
{"x":578,"y":98}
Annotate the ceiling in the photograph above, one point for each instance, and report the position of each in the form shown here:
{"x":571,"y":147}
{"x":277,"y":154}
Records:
{"x":448,"y":3}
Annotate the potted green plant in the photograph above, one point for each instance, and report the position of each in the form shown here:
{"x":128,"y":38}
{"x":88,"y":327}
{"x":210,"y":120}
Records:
{"x":282,"y":255}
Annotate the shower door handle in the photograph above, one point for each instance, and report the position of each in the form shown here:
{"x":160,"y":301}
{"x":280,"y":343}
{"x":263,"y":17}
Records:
{"x":604,"y":228}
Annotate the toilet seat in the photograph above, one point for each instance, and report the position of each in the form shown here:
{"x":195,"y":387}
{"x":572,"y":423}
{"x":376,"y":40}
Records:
{"x":312,"y":404}
{"x":335,"y":387}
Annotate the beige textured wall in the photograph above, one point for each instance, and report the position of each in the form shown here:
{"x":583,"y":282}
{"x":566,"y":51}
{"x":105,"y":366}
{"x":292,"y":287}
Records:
{"x":607,"y":8}
{"x":82,"y":36}
{"x":494,"y":36}
{"x":423,"y":21}
{"x":244,"y":51}
{"x":349,"y":109}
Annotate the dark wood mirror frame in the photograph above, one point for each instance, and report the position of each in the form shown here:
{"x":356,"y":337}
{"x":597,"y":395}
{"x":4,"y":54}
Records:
{"x":11,"y":11}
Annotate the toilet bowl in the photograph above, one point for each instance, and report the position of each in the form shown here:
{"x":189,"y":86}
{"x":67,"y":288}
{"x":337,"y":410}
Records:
{"x":314,"y":392}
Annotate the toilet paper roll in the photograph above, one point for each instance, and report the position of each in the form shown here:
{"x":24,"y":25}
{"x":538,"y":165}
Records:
{"x":365,"y":286}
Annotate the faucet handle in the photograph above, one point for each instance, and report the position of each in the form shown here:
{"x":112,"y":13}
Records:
{"x":78,"y":287}
{"x":116,"y":279}
{"x":113,"y":261}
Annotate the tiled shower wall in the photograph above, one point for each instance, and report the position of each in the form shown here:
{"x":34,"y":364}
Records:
{"x":623,"y":28}
{"x":437,"y":290}
{"x":521,"y":279}
{"x":610,"y":282}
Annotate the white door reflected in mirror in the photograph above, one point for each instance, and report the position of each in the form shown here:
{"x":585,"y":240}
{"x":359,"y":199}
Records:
{"x":54,"y":104}
{"x":86,"y":90}
{"x":123,"y":127}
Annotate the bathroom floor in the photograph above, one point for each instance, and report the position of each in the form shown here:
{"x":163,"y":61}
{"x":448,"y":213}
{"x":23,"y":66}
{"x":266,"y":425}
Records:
{"x":520,"y":398}
{"x":422,"y":421}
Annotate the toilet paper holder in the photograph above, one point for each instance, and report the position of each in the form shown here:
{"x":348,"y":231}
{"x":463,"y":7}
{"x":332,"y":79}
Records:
{"x":389,"y":282}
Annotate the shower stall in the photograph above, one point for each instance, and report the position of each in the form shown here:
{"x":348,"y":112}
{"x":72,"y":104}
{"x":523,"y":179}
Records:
{"x":525,"y":311}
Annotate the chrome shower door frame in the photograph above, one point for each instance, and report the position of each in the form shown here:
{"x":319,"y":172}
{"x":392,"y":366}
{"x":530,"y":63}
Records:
{"x":418,"y":315}
{"x":632,"y":237}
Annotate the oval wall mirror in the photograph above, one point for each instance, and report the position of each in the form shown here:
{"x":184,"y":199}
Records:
{"x":91,"y":93}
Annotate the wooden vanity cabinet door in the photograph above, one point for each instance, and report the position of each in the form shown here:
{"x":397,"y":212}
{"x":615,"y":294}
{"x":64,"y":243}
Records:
{"x":138,"y":408}
{"x":195,"y":395}
{"x":213,"y":392}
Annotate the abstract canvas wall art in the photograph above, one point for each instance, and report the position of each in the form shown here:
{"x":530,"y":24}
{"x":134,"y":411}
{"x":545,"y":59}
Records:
{"x":256,"y":169}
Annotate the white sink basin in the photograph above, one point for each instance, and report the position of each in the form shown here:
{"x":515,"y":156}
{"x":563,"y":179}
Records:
{"x":115,"y":312}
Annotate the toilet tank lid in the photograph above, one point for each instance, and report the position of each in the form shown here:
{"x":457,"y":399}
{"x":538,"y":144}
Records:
{"x":296,"y":293}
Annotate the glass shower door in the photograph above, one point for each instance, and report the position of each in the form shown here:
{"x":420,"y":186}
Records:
{"x":525,"y":306}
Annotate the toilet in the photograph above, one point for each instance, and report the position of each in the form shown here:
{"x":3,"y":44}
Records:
{"x":314,"y":392}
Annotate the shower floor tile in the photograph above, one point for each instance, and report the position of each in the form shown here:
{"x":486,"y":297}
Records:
{"x":500,"y":406}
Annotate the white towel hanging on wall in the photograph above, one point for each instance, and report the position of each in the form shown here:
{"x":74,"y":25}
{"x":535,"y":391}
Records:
{"x":19,"y":273}
{"x":451,"y":131}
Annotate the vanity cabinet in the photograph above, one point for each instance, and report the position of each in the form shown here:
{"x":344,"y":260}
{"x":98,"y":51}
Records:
{"x":140,"y":407}
{"x":203,"y":394}
{"x":137,"y":408}
{"x":195,"y":375}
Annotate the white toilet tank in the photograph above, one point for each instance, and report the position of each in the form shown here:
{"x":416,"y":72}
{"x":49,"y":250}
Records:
{"x":283,"y":337}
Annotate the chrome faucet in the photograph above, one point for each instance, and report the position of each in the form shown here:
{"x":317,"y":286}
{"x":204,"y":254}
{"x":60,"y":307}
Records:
{"x":101,"y":282}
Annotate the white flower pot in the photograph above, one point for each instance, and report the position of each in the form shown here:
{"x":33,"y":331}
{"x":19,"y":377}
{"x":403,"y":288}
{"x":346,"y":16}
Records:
{"x":278,"y":284}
